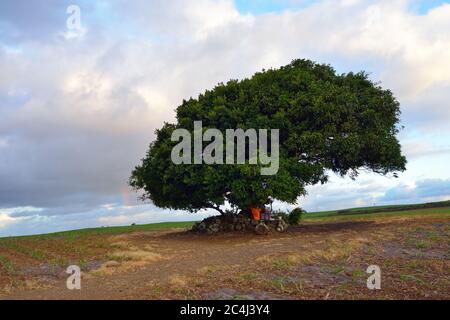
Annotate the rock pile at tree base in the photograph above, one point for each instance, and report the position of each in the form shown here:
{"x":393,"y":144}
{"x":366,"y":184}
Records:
{"x":239,"y":223}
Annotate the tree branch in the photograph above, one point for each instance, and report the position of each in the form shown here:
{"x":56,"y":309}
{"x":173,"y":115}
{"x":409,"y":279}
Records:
{"x":215,"y":207}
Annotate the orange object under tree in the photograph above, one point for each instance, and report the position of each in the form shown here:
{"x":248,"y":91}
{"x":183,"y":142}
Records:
{"x":256,"y":212}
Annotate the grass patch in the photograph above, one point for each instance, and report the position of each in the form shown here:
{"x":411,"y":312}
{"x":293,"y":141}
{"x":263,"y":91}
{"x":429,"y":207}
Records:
{"x":6,"y":265}
{"x":333,"y":215}
{"x":280,"y":282}
{"x":421,"y":244}
{"x":38,"y":255}
{"x":337,"y":269}
{"x":410,"y":277}
{"x":386,"y":208}
{"x":358,"y":274}
{"x":75,"y":234}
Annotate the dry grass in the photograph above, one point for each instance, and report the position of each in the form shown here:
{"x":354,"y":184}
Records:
{"x":315,"y":261}
{"x":128,"y":255}
{"x":331,"y":250}
{"x":27,"y":284}
{"x":136,"y":255}
{"x":208,"y":269}
{"x":120,"y":245}
{"x":178,"y":281}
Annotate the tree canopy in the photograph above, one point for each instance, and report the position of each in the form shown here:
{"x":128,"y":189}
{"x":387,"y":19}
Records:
{"x":328,"y":122}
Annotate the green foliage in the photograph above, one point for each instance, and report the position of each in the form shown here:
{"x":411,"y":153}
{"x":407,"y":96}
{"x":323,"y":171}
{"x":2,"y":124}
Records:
{"x":328,"y":122}
{"x":6,"y":265}
{"x":296,"y":216}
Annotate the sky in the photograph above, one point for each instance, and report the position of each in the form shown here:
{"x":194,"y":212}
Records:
{"x":78,"y":107}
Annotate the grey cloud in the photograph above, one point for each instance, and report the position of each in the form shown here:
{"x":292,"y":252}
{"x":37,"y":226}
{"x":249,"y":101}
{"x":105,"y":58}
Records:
{"x":344,"y":193}
{"x":32,"y":19}
{"x":37,"y":223}
{"x":428,"y":188}
{"x":78,"y":115}
{"x":417,"y":149}
{"x":67,"y":168}
{"x":429,"y":110}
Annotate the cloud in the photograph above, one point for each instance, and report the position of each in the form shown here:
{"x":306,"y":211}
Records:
{"x":342,"y":193}
{"x":38,"y":222}
{"x":191,"y":20}
{"x":77,"y":114}
{"x":437,"y":189}
{"x":7,"y":218}
{"x":36,"y":21}
{"x":423,"y":148}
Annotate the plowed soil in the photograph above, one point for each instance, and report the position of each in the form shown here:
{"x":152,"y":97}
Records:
{"x":316,"y":260}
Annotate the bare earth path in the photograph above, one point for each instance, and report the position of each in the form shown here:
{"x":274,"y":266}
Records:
{"x":318,"y":260}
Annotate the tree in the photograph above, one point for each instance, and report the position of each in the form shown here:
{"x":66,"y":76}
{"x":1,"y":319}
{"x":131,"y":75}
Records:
{"x":328,"y":122}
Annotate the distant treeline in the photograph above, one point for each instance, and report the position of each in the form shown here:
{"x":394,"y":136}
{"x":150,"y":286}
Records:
{"x":403,"y":207}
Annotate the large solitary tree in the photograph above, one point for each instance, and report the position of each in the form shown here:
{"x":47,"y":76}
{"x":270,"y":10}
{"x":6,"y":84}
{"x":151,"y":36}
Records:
{"x":327,"y":122}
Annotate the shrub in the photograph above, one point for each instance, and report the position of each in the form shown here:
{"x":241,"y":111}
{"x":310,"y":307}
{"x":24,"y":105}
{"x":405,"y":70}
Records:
{"x":296,"y":216}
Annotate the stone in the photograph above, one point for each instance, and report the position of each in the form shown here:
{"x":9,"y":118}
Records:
{"x":262,"y":229}
{"x":240,"y":222}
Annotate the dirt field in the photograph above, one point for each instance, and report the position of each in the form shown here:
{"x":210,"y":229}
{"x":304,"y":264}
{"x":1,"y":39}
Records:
{"x":321,"y":259}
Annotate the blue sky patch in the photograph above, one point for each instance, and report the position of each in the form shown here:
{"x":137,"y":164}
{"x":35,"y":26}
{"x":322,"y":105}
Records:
{"x":267,"y":6}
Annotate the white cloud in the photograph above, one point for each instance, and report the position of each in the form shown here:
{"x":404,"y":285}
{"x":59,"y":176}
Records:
{"x":6,"y":219}
{"x":3,"y":142}
{"x":79,"y":113}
